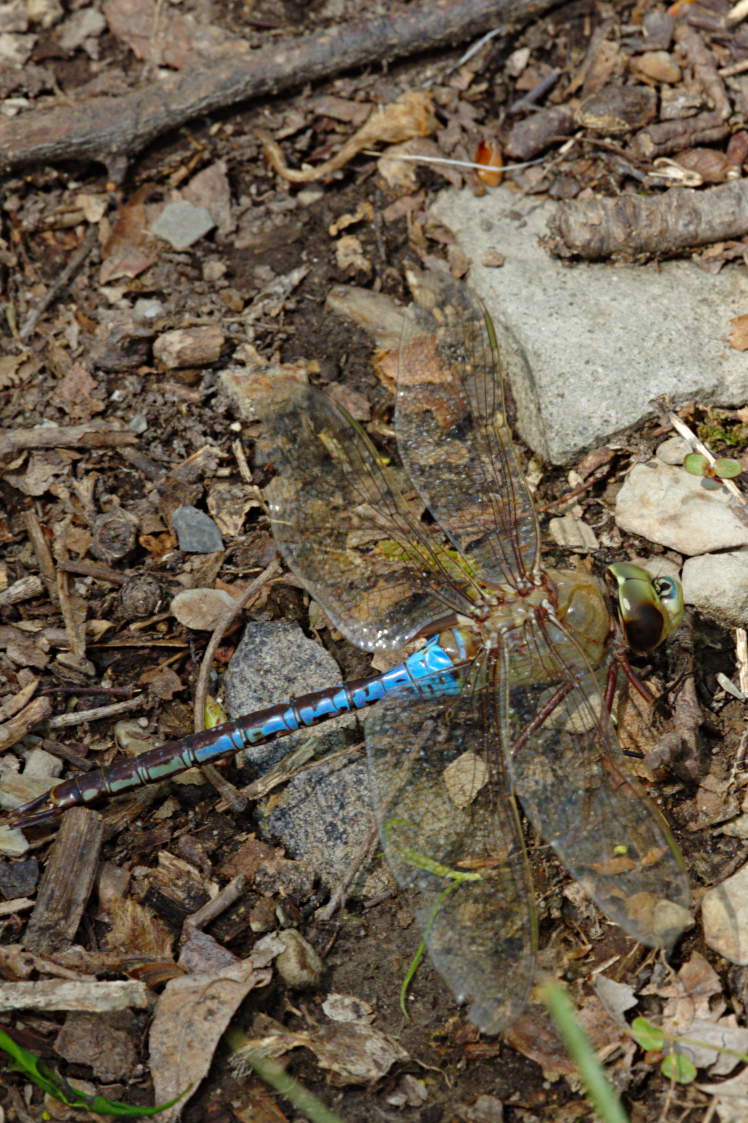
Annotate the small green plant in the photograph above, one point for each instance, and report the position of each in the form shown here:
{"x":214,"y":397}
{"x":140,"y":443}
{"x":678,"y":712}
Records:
{"x":724,"y":468}
{"x":674,"y":1065}
{"x":57,"y":1087}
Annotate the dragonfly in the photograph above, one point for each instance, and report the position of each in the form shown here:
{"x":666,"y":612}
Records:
{"x":501,"y":704}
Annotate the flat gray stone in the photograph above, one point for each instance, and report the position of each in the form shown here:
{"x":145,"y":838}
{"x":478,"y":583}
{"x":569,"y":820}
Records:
{"x":181,"y":224}
{"x":590,"y":345}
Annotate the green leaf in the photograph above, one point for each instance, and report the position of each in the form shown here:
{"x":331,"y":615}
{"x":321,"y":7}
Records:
{"x":679,"y":1068}
{"x":727,"y":468}
{"x":59,"y":1089}
{"x":695,"y":463}
{"x":647,"y":1035}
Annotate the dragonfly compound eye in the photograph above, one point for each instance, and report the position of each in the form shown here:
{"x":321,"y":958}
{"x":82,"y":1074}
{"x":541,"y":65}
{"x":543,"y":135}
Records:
{"x":650,"y":608}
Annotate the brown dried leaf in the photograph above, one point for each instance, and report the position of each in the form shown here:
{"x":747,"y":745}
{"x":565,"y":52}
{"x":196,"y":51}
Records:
{"x":130,"y":248}
{"x":190,"y":1019}
{"x":738,"y":337}
{"x":411,"y":115}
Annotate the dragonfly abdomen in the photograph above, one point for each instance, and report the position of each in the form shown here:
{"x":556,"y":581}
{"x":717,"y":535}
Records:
{"x":433,"y":669}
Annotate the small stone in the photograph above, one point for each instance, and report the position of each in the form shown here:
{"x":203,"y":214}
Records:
{"x":196,"y":532}
{"x":617,"y":109}
{"x":658,"y":66}
{"x":41,"y":763}
{"x":717,"y":584}
{"x":347,"y":1008}
{"x":724,"y":915}
{"x":12,"y":842}
{"x":201,"y":609}
{"x":181,"y":224}
{"x":486,"y":1109}
{"x":147,"y":309}
{"x":189,"y":347}
{"x":492,"y":259}
{"x":672,"y":507}
{"x":84,"y":24}
{"x":573,"y":533}
{"x":673,"y":451}
{"x":213,"y":271}
{"x":299,"y":965}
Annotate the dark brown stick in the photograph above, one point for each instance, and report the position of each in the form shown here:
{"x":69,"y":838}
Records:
{"x":108,"y":128}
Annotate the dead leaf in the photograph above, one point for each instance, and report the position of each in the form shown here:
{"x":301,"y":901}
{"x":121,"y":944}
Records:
{"x":130,"y":248}
{"x":350,"y":254}
{"x":738,"y":337}
{"x":355,"y":1053}
{"x":411,"y":115}
{"x":191,"y":1016}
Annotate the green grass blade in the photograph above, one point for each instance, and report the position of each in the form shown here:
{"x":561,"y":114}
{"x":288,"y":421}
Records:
{"x":601,"y":1095}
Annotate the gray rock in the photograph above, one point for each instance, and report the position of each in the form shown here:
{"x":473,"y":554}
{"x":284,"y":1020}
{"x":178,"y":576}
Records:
{"x":181,"y":224}
{"x":589,"y":346}
{"x":196,"y":532}
{"x":323,"y":814}
{"x":717,"y":584}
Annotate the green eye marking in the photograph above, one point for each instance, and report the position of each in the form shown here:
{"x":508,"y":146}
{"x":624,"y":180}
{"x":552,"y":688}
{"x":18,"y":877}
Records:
{"x":650,"y":608}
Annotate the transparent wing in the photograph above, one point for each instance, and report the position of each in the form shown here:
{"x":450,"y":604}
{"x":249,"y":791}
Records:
{"x":569,"y":775}
{"x":345,"y":527}
{"x":452,"y":838}
{"x":453,"y":436}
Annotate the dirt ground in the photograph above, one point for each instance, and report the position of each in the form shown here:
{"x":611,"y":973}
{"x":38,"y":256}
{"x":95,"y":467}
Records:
{"x":148,"y":425}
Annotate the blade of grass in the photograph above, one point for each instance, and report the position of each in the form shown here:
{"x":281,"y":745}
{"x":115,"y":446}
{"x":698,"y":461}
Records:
{"x":601,"y":1095}
{"x":277,"y":1077}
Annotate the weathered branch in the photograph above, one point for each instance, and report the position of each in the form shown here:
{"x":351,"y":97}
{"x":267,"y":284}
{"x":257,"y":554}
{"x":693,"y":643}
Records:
{"x":109,"y":128}
{"x":633,"y":228}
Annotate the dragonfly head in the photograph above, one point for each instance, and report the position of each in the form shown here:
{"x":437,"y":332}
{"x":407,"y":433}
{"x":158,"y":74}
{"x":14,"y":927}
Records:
{"x":650,"y":608}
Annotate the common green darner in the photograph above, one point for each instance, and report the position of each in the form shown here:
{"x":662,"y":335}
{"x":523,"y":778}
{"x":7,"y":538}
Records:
{"x":502,"y":698}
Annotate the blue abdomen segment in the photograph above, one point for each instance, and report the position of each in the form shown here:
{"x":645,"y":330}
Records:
{"x":435,"y":669}
{"x":426,"y":672}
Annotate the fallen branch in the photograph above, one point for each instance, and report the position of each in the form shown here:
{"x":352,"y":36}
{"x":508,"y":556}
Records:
{"x":110,"y":128}
{"x":13,"y":441}
{"x":634,"y":228}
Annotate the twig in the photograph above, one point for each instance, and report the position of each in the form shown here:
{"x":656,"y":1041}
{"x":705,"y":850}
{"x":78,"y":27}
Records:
{"x":223,"y":900}
{"x":13,"y":441}
{"x":634,"y":227}
{"x":63,"y":721}
{"x":235,"y":801}
{"x":110,"y":128}
{"x":61,"y":282}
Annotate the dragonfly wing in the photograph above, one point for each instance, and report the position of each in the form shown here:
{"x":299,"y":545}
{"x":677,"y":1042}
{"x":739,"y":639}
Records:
{"x":570,"y":777}
{"x":347,"y":529}
{"x":453,"y":435}
{"x":452,"y":838}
